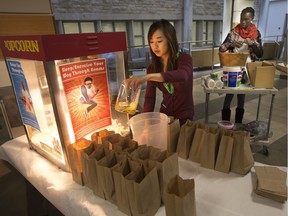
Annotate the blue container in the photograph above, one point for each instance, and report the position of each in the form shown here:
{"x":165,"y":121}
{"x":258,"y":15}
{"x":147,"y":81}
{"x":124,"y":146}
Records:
{"x":232,"y":77}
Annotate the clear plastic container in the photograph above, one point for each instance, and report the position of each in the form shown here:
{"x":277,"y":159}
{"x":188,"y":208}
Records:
{"x":150,"y":128}
{"x":127,"y":99}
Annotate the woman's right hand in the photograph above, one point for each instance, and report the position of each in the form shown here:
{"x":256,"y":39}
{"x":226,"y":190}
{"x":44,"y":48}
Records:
{"x":136,"y":81}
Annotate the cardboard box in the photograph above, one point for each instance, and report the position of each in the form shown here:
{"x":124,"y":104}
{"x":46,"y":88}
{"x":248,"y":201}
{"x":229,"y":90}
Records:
{"x":261,"y":74}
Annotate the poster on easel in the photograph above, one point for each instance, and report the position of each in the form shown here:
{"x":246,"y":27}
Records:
{"x":22,"y":93}
{"x":85,"y":85}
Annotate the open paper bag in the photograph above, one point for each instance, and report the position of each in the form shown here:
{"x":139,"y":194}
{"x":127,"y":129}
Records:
{"x":242,"y":159}
{"x":186,"y":135}
{"x":173,"y":135}
{"x":105,"y":176}
{"x":167,"y":167}
{"x":179,"y":197}
{"x":74,"y":157}
{"x":143,"y":190}
{"x":210,"y":148}
{"x":90,"y":174}
{"x":121,"y":170}
{"x":223,"y":161}
{"x":199,"y":139}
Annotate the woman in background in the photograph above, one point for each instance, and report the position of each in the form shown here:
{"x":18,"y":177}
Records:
{"x":244,"y":38}
{"x":170,"y":71}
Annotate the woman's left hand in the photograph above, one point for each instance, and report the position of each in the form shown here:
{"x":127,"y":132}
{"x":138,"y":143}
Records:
{"x":249,"y":41}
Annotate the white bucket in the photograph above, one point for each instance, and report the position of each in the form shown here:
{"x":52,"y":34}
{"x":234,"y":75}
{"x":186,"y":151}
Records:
{"x":232,"y":77}
{"x":150,"y":128}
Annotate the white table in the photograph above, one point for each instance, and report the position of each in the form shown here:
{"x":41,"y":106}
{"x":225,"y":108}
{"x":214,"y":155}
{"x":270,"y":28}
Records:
{"x":217,"y":193}
{"x":248,"y":90}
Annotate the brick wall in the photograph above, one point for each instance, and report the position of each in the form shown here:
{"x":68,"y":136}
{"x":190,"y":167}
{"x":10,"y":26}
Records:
{"x":117,"y":9}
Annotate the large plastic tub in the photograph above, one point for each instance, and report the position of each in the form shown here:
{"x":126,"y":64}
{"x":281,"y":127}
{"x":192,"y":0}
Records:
{"x":150,"y":128}
{"x":232,"y":77}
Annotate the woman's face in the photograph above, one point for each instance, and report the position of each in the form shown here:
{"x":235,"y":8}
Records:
{"x":159,"y":44}
{"x":246,"y":20}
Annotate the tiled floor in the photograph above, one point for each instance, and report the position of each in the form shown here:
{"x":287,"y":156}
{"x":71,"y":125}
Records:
{"x":13,"y":186}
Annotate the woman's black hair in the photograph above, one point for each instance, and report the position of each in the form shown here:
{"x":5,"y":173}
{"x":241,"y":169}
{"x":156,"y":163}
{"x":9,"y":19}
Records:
{"x":248,"y":10}
{"x":170,"y":33}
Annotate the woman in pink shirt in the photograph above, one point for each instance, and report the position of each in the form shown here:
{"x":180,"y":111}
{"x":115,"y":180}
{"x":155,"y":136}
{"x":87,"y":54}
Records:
{"x":170,"y":71}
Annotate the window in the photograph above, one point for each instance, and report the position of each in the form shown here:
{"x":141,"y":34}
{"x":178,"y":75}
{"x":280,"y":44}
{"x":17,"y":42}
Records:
{"x":71,"y":27}
{"x":194,"y":31}
{"x":107,"y":26}
{"x":209,"y":31}
{"x":120,"y":26}
{"x":110,"y":26}
{"x":140,"y":32}
{"x":78,"y":27}
{"x":87,"y":27}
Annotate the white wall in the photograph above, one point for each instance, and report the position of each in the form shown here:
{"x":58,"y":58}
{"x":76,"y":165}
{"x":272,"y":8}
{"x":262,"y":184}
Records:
{"x":276,"y":13}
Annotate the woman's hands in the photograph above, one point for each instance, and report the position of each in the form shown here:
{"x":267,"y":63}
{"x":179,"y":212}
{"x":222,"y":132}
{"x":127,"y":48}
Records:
{"x":237,"y":44}
{"x":136,"y":81}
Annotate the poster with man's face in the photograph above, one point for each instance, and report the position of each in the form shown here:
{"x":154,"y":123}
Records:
{"x":86,"y":88}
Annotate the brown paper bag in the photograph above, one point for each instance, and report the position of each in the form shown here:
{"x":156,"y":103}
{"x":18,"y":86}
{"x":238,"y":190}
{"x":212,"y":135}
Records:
{"x":111,"y":140}
{"x":143,"y":191}
{"x":167,"y":167}
{"x":210,"y":148}
{"x":198,"y":140}
{"x":233,"y":59}
{"x":179,"y":197}
{"x":88,"y":164}
{"x":223,"y":161}
{"x":74,"y":158}
{"x":99,"y":135}
{"x":90,"y":170}
{"x":186,"y":135}
{"x":126,"y":145}
{"x":242,"y":157}
{"x":271,"y":183}
{"x":173,"y":135}
{"x":144,"y":152}
{"x":105,"y":176}
{"x":121,"y":170}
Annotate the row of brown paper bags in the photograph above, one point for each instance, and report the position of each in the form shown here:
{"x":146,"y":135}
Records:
{"x":214,"y":148}
{"x":132,"y":177}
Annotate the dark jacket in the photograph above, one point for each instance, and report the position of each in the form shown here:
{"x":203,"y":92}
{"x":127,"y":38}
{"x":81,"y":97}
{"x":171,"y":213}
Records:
{"x":180,"y":104}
